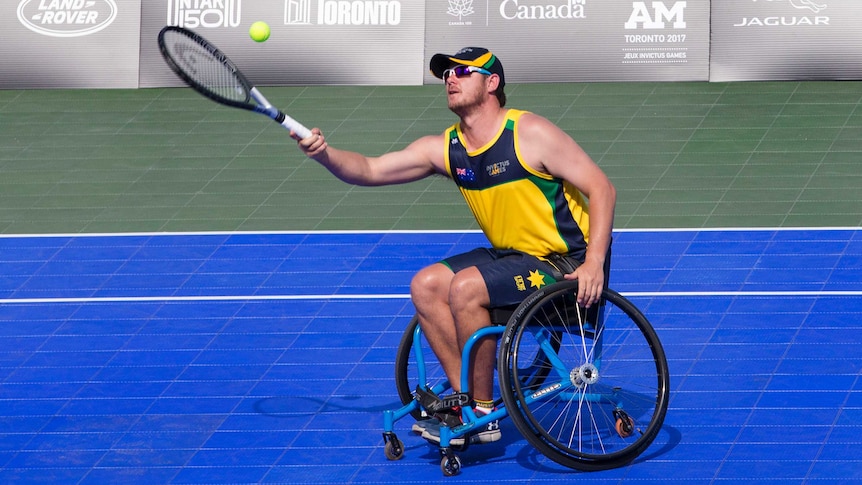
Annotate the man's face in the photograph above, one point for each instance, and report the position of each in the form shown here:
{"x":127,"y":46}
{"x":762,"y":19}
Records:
{"x":465,"y":90}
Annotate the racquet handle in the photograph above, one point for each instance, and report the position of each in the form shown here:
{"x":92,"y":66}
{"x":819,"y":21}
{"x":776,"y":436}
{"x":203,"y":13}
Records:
{"x":265,"y":107}
{"x":291,"y":124}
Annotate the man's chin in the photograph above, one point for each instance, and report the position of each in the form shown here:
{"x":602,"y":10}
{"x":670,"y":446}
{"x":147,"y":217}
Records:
{"x":456,"y":106}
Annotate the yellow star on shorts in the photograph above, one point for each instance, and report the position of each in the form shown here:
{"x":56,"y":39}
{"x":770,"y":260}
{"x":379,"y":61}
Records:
{"x":537,"y":279}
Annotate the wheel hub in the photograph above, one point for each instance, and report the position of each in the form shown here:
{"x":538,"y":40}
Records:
{"x":584,"y":375}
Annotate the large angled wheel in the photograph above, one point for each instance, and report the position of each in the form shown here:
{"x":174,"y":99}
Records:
{"x":605,"y":394}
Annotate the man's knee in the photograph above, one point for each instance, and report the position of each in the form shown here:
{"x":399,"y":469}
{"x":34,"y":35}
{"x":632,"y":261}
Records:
{"x":431,"y":282}
{"x":468,"y":290}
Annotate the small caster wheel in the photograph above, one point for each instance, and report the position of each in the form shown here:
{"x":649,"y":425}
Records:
{"x":394,"y":448}
{"x":625,"y":425}
{"x":450,"y":465}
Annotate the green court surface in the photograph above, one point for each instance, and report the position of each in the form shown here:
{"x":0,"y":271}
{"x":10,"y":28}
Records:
{"x":775,"y":154}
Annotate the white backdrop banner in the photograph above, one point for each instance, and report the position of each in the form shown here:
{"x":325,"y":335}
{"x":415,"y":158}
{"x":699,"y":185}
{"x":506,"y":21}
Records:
{"x":69,"y":43}
{"x":786,"y":39}
{"x":313,"y":41}
{"x":112,"y":43}
{"x":578,"y":40}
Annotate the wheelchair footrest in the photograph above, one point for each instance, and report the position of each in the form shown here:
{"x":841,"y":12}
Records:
{"x":447,"y":408}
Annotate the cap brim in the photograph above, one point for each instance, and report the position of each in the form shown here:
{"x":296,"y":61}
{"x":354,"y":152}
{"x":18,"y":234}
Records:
{"x":439,"y":63}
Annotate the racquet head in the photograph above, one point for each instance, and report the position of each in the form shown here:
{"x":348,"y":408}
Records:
{"x":205,"y":68}
{"x":208,"y":71}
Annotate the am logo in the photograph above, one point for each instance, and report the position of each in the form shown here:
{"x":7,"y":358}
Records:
{"x":656,"y":15}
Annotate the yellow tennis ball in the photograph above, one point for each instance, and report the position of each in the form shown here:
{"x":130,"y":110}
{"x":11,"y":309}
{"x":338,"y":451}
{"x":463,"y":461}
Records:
{"x":259,"y":31}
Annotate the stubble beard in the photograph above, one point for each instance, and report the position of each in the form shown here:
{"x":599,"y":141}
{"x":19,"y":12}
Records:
{"x":466,"y":102}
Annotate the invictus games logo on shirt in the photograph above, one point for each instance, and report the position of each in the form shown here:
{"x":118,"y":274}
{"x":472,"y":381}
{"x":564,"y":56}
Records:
{"x":498,"y":168}
{"x":66,"y":18}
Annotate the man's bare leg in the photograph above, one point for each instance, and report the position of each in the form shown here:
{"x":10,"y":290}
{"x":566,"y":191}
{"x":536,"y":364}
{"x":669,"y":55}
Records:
{"x":430,"y":293}
{"x":469,"y":300}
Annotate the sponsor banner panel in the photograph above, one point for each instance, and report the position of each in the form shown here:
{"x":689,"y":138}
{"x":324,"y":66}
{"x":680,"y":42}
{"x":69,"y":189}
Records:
{"x":786,"y":40}
{"x":313,"y":42}
{"x":578,"y":40}
{"x":69,"y":43}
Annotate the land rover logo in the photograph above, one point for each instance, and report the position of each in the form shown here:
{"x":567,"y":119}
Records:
{"x":66,"y":18}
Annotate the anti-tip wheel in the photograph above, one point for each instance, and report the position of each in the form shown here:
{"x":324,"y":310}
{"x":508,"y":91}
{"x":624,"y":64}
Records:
{"x":394,"y":449}
{"x":625,"y":425}
{"x":450,"y":465}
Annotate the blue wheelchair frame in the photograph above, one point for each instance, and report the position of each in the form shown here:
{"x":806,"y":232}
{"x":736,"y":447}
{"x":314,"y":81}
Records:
{"x":546,"y":319}
{"x":470,"y":419}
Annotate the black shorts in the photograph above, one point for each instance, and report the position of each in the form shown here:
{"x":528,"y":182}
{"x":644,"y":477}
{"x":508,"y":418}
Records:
{"x":511,"y":275}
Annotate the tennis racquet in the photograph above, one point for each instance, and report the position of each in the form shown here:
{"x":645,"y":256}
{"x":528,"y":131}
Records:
{"x":209,"y":71}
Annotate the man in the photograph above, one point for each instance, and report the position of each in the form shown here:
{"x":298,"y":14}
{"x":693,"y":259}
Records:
{"x":534,"y":192}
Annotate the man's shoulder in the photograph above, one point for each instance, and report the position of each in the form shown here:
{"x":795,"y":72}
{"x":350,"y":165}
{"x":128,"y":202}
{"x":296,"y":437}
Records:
{"x":527,"y":121}
{"x":433,"y":139}
{"x":524,"y":116}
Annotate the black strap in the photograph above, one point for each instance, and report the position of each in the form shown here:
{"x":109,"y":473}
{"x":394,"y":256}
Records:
{"x":447,"y":408}
{"x":563,"y":263}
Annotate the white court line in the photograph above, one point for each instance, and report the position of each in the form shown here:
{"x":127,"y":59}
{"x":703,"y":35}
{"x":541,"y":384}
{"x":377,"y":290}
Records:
{"x":166,"y":299}
{"x":653,"y":294}
{"x":659,"y":294}
{"x":413,"y":231}
{"x":404,"y":296}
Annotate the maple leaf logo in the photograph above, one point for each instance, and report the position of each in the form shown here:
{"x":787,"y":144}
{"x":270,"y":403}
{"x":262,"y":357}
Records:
{"x":460,"y":8}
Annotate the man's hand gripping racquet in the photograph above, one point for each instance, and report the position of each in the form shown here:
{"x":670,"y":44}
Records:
{"x":209,"y":71}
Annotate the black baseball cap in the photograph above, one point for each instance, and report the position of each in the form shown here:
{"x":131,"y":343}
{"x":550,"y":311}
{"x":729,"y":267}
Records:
{"x":468,"y":56}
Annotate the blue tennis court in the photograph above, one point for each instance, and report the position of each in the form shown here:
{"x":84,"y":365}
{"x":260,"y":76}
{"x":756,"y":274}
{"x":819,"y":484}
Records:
{"x":250,"y":357}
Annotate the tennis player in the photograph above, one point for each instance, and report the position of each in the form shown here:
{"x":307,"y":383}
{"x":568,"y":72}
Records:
{"x":546,"y":208}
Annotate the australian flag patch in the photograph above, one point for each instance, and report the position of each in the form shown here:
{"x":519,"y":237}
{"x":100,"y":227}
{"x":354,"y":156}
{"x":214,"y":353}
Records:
{"x":465,"y":174}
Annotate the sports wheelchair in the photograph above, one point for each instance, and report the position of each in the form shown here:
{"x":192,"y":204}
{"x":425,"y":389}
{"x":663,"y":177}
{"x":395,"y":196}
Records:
{"x":588,"y":388}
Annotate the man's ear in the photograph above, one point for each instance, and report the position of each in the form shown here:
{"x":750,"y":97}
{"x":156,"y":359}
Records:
{"x":493,"y":82}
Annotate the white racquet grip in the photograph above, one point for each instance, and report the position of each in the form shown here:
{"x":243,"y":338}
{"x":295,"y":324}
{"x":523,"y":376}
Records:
{"x":297,"y":127}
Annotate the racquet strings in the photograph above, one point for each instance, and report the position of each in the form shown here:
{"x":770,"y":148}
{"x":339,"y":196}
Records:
{"x":206,"y":67}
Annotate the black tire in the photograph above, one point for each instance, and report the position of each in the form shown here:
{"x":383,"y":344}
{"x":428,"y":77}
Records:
{"x":604,"y":397}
